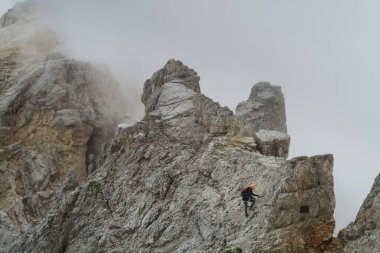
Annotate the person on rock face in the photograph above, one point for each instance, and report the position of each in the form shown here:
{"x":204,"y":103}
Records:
{"x":247,"y":195}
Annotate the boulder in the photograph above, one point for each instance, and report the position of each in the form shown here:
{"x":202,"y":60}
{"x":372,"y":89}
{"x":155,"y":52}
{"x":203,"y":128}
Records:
{"x":272,"y":143}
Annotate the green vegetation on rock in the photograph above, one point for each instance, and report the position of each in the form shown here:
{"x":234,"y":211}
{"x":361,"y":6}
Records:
{"x":95,"y":186}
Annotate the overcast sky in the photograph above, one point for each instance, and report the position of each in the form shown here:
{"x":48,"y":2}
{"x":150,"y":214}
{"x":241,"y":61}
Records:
{"x":324,"y":53}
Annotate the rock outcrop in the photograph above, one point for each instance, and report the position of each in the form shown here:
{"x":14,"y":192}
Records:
{"x":168,"y":98}
{"x":21,"y":13}
{"x":54,"y":114}
{"x":264,"y":109}
{"x":173,"y":72}
{"x":216,"y":119}
{"x":171,"y":183}
{"x":272,"y":143}
{"x":261,"y":117}
{"x":168,"y":183}
{"x":363,"y":235}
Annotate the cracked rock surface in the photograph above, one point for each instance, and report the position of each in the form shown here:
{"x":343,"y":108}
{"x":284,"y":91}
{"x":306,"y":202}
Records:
{"x":54,"y":112}
{"x":363,"y":235}
{"x":168,"y":183}
{"x":264,"y":109}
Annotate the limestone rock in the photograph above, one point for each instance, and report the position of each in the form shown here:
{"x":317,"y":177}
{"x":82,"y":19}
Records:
{"x":20,"y":13}
{"x":272,"y":143}
{"x":169,"y":197}
{"x":264,"y":109}
{"x":363,"y":235}
{"x":160,"y":186}
{"x":168,"y":183}
{"x":247,"y":143}
{"x":218,"y":120}
{"x":168,"y":96}
{"x":8,"y":232}
{"x":54,"y":113}
{"x":175,"y":72}
{"x":131,"y":132}
{"x":175,"y":100}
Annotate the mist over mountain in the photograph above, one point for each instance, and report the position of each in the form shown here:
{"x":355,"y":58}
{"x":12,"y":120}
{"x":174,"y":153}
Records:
{"x":80,"y":153}
{"x":241,"y":44}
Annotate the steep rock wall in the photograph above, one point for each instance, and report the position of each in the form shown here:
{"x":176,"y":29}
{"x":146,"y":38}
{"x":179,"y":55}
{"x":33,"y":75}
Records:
{"x":54,"y":114}
{"x":363,"y":235}
{"x":167,"y":185}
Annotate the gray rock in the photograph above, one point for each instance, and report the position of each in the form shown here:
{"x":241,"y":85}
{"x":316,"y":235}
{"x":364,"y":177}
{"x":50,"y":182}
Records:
{"x":173,"y":71}
{"x":169,"y":106}
{"x":54,"y":113}
{"x":175,"y":100}
{"x":168,"y":183}
{"x":70,"y":182}
{"x":66,"y":118}
{"x":272,"y":143}
{"x":168,"y":201}
{"x":8,"y":232}
{"x":218,"y":120}
{"x":20,"y":13}
{"x":264,"y":109}
{"x":128,"y":132}
{"x":157,"y":188}
{"x":363,"y":235}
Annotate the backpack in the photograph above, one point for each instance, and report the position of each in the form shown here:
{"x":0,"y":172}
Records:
{"x":244,"y":192}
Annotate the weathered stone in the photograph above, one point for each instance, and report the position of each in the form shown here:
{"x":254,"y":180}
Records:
{"x":66,"y":118}
{"x":218,"y":120}
{"x":175,"y":100}
{"x":168,"y":183}
{"x":174,"y":72}
{"x":170,"y":105}
{"x":21,"y":13}
{"x":264,"y":109}
{"x":54,"y":113}
{"x":8,"y":232}
{"x":169,"y":193}
{"x":171,"y":197}
{"x":70,"y":182}
{"x":363,"y":235}
{"x":128,"y":132}
{"x":272,"y":143}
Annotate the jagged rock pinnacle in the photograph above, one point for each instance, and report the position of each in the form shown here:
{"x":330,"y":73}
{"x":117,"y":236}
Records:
{"x":169,"y":183}
{"x":264,"y":109}
{"x":174,"y":71}
{"x":363,"y":235}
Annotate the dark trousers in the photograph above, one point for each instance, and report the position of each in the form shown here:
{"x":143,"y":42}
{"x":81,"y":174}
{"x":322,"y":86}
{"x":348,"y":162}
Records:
{"x":252,"y":200}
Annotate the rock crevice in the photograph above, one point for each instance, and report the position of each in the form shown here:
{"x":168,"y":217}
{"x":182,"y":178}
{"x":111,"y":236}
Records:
{"x":168,"y":183}
{"x":172,"y":183}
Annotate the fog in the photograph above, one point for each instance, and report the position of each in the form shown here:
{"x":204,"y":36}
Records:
{"x":323,"y":53}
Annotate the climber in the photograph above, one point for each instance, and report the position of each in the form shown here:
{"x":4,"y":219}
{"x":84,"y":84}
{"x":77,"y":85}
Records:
{"x":247,"y":195}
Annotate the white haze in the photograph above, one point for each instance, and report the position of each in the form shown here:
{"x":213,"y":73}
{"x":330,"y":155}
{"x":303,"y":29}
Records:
{"x":323,"y":53}
{"x":6,"y":4}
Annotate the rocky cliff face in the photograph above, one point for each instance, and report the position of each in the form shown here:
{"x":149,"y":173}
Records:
{"x":264,"y":109}
{"x":54,"y":113}
{"x":363,"y":235}
{"x":171,"y":183}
